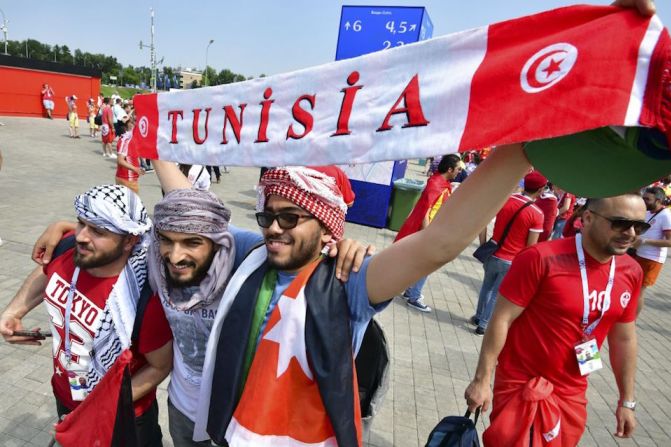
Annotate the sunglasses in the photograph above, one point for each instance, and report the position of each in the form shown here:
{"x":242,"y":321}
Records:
{"x":619,"y":224}
{"x":286,"y":221}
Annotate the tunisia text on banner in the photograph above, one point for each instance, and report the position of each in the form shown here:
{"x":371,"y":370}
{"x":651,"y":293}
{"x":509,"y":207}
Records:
{"x":550,"y":74}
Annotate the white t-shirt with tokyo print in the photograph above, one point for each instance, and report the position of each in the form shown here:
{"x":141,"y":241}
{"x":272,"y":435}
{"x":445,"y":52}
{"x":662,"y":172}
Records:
{"x":660,"y":223}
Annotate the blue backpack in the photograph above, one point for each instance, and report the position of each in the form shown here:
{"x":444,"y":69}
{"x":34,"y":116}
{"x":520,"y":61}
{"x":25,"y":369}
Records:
{"x":455,"y":431}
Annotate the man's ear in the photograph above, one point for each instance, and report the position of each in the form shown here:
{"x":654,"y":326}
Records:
{"x":326,"y":235}
{"x":130,"y":242}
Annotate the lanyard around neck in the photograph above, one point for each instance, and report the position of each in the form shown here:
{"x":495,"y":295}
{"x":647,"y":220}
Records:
{"x":68,"y":311}
{"x":585,"y":288}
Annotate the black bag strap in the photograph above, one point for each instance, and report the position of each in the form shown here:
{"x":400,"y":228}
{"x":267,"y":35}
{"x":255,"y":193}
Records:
{"x":477,"y":415}
{"x":655,"y":215}
{"x":145,"y":294}
{"x":510,"y":223}
{"x":199,"y":174}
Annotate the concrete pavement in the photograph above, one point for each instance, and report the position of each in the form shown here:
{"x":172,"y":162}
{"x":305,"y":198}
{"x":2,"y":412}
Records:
{"x":433,"y":355}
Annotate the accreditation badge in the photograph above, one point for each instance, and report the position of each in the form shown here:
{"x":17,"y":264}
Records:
{"x":588,"y":356}
{"x":77,"y":386}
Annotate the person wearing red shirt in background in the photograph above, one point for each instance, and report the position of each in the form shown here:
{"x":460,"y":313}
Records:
{"x":107,"y":129}
{"x":547,"y":202}
{"x":573,"y":225}
{"x":524,"y":231}
{"x":558,"y":298}
{"x":48,"y":100}
{"x":566,"y":204}
{"x":128,"y":170}
{"x":438,"y":189}
{"x":342,"y":181}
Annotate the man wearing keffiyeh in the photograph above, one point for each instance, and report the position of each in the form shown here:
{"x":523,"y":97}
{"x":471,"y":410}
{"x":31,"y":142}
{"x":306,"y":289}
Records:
{"x":279,"y":362}
{"x":91,"y":292}
{"x":191,"y":255}
{"x":192,"y":251}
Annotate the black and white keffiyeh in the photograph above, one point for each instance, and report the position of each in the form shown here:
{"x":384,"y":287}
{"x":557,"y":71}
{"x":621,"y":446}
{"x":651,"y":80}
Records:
{"x":119,"y":210}
{"x":114,"y":208}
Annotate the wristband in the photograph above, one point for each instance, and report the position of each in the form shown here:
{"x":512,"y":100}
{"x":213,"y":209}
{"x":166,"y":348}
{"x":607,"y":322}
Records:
{"x":630,"y":404}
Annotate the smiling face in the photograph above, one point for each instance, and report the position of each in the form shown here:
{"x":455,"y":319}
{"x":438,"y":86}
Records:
{"x":97,"y":247}
{"x":290,"y":250}
{"x":187,"y":257}
{"x":598,"y":229}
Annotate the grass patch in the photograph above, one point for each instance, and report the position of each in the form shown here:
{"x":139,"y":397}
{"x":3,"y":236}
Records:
{"x":124,"y":92}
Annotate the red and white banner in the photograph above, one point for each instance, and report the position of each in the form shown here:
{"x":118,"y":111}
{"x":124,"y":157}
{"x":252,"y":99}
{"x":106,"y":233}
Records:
{"x":545,"y":75}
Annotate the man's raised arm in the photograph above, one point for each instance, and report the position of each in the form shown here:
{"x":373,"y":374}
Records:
{"x":458,"y":222}
{"x":170,"y":176}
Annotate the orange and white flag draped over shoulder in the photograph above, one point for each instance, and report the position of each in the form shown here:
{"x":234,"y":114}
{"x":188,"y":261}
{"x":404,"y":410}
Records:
{"x":281,"y":404}
{"x":524,"y":79}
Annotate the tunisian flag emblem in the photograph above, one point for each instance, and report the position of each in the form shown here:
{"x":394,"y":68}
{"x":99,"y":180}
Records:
{"x":547,"y":67}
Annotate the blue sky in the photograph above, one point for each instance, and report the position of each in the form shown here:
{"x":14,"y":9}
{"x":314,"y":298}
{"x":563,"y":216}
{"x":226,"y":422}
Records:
{"x":250,"y":37}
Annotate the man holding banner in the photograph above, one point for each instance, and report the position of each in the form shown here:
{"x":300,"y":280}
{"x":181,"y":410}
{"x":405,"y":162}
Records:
{"x":363,"y":111}
{"x":284,"y":303}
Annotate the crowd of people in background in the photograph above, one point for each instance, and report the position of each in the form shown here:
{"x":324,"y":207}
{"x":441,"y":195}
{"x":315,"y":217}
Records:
{"x":552,"y":214}
{"x":113,"y":118}
{"x":553,"y":257}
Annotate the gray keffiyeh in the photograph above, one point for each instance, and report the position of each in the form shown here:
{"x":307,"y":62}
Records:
{"x":194,"y":212}
{"x":119,"y":210}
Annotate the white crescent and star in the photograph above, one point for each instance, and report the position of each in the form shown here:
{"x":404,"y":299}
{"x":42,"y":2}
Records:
{"x":547,"y":67}
{"x":289,"y":334}
{"x":143,"y":125}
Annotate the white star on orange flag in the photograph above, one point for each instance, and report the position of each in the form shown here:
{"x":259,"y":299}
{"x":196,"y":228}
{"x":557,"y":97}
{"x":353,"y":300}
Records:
{"x":289,"y":333}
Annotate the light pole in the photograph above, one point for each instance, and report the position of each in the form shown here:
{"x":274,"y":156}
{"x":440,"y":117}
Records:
{"x":152,"y":53}
{"x":4,"y":29}
{"x":206,"y":80}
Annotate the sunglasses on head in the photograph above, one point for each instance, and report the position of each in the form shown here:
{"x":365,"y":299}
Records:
{"x":620,"y":224}
{"x":286,"y":221}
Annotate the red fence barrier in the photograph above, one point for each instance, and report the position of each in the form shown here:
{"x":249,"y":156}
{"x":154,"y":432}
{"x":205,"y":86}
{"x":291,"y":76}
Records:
{"x":20,"y":91}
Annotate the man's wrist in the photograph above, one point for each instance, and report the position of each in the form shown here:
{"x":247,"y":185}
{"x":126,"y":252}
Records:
{"x":629,"y":404}
{"x":483,"y":377}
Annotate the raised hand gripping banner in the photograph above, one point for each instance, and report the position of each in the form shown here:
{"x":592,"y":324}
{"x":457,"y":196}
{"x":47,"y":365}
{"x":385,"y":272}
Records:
{"x":551,"y":74}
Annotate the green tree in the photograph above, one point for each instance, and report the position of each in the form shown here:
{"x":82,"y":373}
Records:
{"x":130,"y":76}
{"x":225,"y":76}
{"x":66,"y":55}
{"x":210,"y":76}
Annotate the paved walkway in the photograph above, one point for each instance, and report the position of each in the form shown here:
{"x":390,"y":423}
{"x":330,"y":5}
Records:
{"x":433,"y":355}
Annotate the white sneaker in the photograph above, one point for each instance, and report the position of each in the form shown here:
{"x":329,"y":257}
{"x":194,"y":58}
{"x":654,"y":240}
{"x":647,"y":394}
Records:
{"x":419,"y":305}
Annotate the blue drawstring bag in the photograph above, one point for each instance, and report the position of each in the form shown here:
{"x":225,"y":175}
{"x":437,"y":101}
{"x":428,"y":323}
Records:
{"x":455,"y":431}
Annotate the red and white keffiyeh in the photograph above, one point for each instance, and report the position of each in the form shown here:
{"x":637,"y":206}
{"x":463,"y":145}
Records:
{"x":311,"y":190}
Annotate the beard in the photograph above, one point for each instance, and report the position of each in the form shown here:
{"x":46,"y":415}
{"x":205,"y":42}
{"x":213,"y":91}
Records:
{"x":199,"y":272}
{"x":95,"y":260}
{"x":304,"y":252}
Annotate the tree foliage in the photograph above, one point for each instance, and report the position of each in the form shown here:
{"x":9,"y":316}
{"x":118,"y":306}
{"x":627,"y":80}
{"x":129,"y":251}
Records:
{"x":108,"y":65}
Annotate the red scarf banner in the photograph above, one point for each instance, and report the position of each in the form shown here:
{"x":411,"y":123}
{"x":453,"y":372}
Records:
{"x":555,"y":73}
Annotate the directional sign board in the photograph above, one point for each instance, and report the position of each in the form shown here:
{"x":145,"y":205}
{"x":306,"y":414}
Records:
{"x":363,"y":30}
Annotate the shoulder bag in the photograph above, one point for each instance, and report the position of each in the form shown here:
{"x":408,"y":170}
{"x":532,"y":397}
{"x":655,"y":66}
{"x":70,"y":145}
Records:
{"x":486,"y":250}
